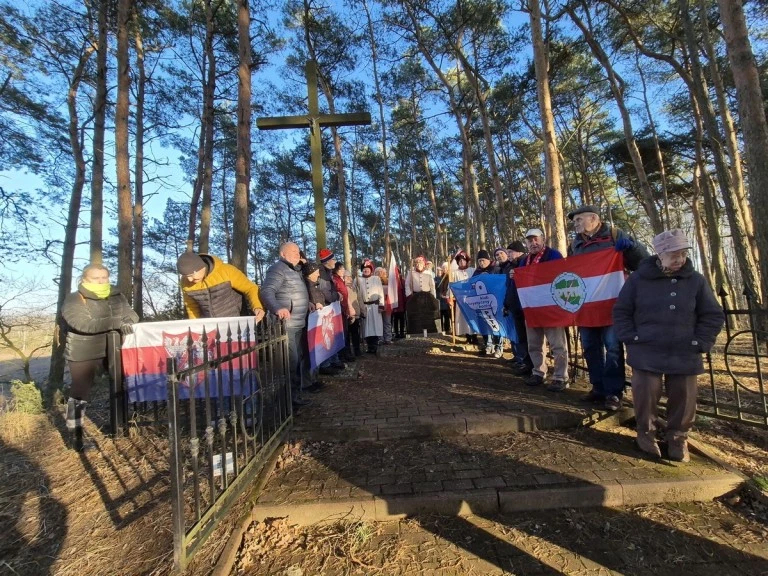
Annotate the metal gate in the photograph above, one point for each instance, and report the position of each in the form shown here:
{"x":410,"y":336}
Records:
{"x":226,"y":417}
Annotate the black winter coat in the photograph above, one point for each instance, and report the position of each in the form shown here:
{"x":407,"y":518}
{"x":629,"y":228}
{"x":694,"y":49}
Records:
{"x":89,"y":319}
{"x":284,"y":287}
{"x":667,"y":322}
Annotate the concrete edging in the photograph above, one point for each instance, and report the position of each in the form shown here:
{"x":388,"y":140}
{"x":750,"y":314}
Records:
{"x":614,"y":493}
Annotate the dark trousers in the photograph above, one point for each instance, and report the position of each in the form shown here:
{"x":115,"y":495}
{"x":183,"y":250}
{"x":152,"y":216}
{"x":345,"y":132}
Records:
{"x":520,"y":348}
{"x":297,"y":366}
{"x":398,"y":324}
{"x":354,"y":336}
{"x":445,"y":318}
{"x":83,"y":372}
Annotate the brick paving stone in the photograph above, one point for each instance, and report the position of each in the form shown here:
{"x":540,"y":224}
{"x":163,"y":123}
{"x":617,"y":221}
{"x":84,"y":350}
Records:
{"x":458,"y":484}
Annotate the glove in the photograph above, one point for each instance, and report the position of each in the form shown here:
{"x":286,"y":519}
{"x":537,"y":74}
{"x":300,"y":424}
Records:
{"x":623,"y":244}
{"x":126,"y":329}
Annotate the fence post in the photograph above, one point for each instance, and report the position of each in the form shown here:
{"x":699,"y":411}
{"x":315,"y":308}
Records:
{"x":118,"y":402}
{"x":176,"y":464}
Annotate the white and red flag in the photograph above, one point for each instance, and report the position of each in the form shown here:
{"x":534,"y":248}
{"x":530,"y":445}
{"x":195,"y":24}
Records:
{"x":576,"y":291}
{"x":325,"y":334}
{"x":392,"y":283}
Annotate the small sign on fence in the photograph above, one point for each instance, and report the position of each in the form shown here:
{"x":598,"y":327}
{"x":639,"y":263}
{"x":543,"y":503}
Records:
{"x":217,"y":464}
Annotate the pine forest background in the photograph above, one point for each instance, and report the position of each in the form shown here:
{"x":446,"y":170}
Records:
{"x":128,"y":133}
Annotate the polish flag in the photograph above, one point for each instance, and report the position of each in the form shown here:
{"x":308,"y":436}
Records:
{"x":392,"y":283}
{"x":576,"y":291}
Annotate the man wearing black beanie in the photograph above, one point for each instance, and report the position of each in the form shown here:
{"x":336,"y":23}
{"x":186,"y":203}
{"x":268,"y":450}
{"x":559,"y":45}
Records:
{"x":213,"y":289}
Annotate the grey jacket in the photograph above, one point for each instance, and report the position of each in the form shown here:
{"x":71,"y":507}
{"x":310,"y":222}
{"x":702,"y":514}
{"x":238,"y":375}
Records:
{"x":284,"y":287}
{"x":667,"y":322}
{"x":89,"y":319}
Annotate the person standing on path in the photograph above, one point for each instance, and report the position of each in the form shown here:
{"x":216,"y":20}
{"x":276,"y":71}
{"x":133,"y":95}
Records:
{"x":422,"y":307}
{"x":463,"y":272}
{"x":521,"y":360}
{"x":491,"y":345}
{"x":91,"y":313}
{"x":370,"y":293}
{"x":539,"y":252}
{"x":667,"y":316}
{"x":602,"y":350}
{"x":285,"y":295}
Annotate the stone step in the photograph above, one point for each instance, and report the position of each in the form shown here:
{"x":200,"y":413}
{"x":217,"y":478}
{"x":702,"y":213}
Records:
{"x":480,"y":475}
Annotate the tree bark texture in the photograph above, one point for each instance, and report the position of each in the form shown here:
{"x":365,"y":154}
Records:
{"x":124,"y":196}
{"x":753,"y":123}
{"x":554,"y":195}
{"x":243,"y":160}
{"x":99,"y":121}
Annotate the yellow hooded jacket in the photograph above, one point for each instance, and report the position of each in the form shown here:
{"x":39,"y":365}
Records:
{"x":220,"y":293}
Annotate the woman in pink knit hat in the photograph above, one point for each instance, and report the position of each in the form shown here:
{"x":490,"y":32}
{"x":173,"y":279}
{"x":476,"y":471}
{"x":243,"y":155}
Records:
{"x":667,"y":316}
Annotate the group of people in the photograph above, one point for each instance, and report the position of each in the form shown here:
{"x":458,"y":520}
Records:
{"x":665,"y":315}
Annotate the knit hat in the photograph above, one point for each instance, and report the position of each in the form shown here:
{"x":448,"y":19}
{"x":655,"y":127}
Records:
{"x":367,"y":264}
{"x":309,"y":267}
{"x":326,"y":255}
{"x":420,"y":258}
{"x":461,"y":254}
{"x":483,"y":254}
{"x":587,"y":208}
{"x":189,"y":263}
{"x":670,"y":241}
{"x":517,"y":246}
{"x":499,"y":249}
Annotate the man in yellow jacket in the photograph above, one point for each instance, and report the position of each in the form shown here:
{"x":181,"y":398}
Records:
{"x":213,"y":289}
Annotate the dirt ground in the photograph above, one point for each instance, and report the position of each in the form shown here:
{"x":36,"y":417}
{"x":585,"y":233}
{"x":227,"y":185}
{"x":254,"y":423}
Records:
{"x":107,"y":512}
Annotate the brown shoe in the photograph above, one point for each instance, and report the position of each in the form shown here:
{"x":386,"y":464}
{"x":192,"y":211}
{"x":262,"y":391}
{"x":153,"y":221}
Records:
{"x":647,"y":443}
{"x":677,"y":449}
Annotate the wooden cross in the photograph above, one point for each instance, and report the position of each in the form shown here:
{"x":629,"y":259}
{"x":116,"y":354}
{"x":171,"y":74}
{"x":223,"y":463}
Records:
{"x":315,"y":122}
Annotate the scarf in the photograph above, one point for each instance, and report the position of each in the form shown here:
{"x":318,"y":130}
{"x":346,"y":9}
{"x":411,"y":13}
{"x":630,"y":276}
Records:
{"x":101,"y":291}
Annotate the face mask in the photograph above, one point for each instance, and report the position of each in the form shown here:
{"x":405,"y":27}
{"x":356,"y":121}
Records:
{"x":100,"y":290}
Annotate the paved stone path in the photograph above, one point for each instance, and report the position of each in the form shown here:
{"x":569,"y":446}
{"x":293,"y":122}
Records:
{"x":480,"y":397}
{"x":456,"y":434}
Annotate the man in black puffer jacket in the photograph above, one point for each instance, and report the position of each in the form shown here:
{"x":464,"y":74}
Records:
{"x":284,"y":294}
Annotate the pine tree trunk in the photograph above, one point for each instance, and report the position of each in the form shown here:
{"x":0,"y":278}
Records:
{"x":554,"y":195}
{"x":243,"y":161}
{"x":384,"y":150}
{"x":736,"y":219}
{"x":99,"y":121}
{"x":617,"y":84}
{"x":124,"y":196}
{"x":753,"y":122}
{"x":56,"y":372}
{"x":208,"y":120}
{"x":138,"y":204}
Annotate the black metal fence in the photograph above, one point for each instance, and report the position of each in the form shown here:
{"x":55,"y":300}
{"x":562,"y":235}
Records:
{"x":227,"y":414}
{"x":734,"y":386}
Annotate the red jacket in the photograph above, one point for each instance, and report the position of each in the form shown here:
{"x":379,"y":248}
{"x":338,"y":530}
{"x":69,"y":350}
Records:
{"x":341,"y":288}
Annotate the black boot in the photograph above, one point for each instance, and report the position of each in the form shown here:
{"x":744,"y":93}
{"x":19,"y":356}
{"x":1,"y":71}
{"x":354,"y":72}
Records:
{"x":75,"y":416}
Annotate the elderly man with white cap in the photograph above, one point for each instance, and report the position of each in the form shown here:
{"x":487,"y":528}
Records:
{"x":602,"y":350}
{"x":668,"y":317}
{"x":539,"y":252}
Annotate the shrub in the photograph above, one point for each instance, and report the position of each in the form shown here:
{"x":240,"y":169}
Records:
{"x":26,"y":397}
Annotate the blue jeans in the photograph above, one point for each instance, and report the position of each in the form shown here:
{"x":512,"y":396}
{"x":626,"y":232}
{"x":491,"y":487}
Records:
{"x":605,"y":360}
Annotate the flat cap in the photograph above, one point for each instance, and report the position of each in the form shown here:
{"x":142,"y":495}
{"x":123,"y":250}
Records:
{"x":587,"y":208}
